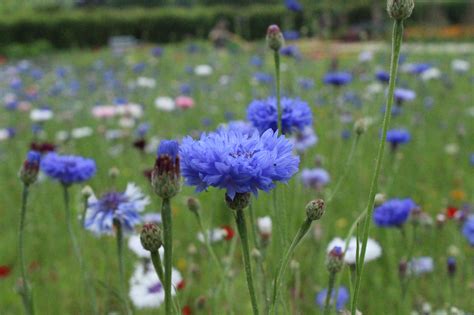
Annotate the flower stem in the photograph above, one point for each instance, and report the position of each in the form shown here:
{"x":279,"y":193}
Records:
{"x":396,"y":45}
{"x":208,"y":245}
{"x":284,"y":262}
{"x":155,"y":258}
{"x":77,"y":250}
{"x":327,"y":304}
{"x":168,"y":242}
{"x":242,"y":228}
{"x":25,"y":293}
{"x":276,"y":56}
{"x":119,"y":232}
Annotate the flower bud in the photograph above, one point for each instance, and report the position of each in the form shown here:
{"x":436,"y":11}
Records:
{"x":275,"y":38}
{"x":240,"y":201}
{"x":379,"y":199}
{"x":315,"y":209}
{"x":256,"y":254}
{"x":335,"y":260}
{"x":114,"y":172}
{"x":150,"y":237}
{"x":451,"y":265}
{"x":29,"y":170}
{"x":87,"y":191}
{"x":360,"y":126}
{"x":193,"y":204}
{"x":402,"y":268}
{"x":400,"y":9}
{"x":166,"y":176}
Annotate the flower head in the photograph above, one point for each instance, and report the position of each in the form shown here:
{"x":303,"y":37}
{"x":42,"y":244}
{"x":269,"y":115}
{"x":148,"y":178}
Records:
{"x":304,"y":139}
{"x":112,"y":207}
{"x":420,"y":265}
{"x":275,"y":38}
{"x":68,"y":169}
{"x":30,"y":168}
{"x":468,"y":230}
{"x":394,"y":212}
{"x":337,"y":78}
{"x":236,"y":162}
{"x":165,"y":176}
{"x":373,"y":251}
{"x":341,"y":300}
{"x":382,"y":76}
{"x":398,"y":136}
{"x":315,"y":178}
{"x":404,"y":95}
{"x":296,"y":114}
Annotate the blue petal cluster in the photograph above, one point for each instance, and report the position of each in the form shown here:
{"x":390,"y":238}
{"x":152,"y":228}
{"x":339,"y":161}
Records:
{"x":293,"y":5}
{"x":68,"y":169}
{"x":394,"y":212}
{"x":404,"y":95}
{"x":337,"y":78}
{"x":33,"y":157}
{"x":239,"y":163}
{"x":382,"y":76}
{"x":296,"y":114}
{"x":398,"y":136}
{"x":468,"y":230}
{"x":342,"y":297}
{"x":168,"y":147}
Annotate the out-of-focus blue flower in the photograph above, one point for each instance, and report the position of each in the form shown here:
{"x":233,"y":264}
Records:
{"x":420,"y":265}
{"x":342,"y":297}
{"x":16,"y":84}
{"x":293,"y":5}
{"x":404,"y":95}
{"x":394,"y":212}
{"x":291,"y":35}
{"x":291,"y":51}
{"x":398,"y":136}
{"x":157,"y":51}
{"x":262,"y":77}
{"x":142,"y":130}
{"x":185,"y":88}
{"x":68,"y":169}
{"x":305,"y":139}
{"x":417,"y":68}
{"x":315,"y":178}
{"x":241,"y":126}
{"x":124,"y":207}
{"x":345,"y":134}
{"x":296,"y":114}
{"x":236,"y":162}
{"x":382,"y":76}
{"x":337,"y":78}
{"x":139,"y":67}
{"x":306,"y":83}
{"x":468,"y":230}
{"x":256,"y":61}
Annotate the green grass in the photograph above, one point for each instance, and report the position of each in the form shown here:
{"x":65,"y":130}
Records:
{"x":424,"y":172}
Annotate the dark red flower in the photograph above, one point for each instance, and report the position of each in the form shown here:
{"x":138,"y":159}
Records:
{"x":5,"y":271}
{"x":451,"y":212}
{"x":229,"y":232}
{"x":181,"y":285}
{"x":186,"y":310}
{"x":42,"y":147}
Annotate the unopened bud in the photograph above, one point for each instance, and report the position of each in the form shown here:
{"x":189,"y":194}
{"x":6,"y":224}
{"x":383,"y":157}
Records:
{"x":193,"y":204}
{"x":240,"y":201}
{"x":335,"y":260}
{"x":315,"y":209}
{"x":275,"y":38}
{"x":87,"y":191}
{"x":360,"y":126}
{"x":30,"y":169}
{"x":150,"y":237}
{"x":400,"y":9}
{"x":379,"y":199}
{"x":256,"y":254}
{"x":166,"y":175}
{"x":114,"y":172}
{"x":451,"y":264}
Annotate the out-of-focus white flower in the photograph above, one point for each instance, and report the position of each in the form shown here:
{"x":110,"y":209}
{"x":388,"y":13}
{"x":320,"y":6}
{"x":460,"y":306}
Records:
{"x":460,"y":65}
{"x":165,"y":103}
{"x":374,"y":88}
{"x":420,"y":265}
{"x":114,"y":134}
{"x":373,"y":251}
{"x":82,"y":132}
{"x":126,"y":122}
{"x":41,"y":114}
{"x":62,"y":135}
{"x":4,"y":134}
{"x":203,"y":70}
{"x":430,"y":74}
{"x":264,"y":225}
{"x":366,"y":56}
{"x":146,"y":82}
{"x":451,"y":148}
{"x":213,"y":235}
{"x":130,"y":109}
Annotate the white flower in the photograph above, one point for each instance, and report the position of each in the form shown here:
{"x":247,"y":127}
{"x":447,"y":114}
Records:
{"x":420,"y":265}
{"x":213,"y":235}
{"x":81,"y":132}
{"x":372,"y":252}
{"x":366,"y":56}
{"x":264,"y":225}
{"x":460,"y":65}
{"x":126,"y":122}
{"x":62,"y":135}
{"x":451,"y":148}
{"x":146,"y":290}
{"x":374,"y":88}
{"x":41,"y":114}
{"x":4,"y":134}
{"x":130,"y":109}
{"x":431,"y":73}
{"x":203,"y":70}
{"x":146,"y":82}
{"x":165,"y":103}
{"x":135,"y":245}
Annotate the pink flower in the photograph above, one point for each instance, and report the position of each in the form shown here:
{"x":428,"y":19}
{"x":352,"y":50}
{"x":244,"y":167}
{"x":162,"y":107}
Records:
{"x":104,"y":111}
{"x":184,"y":102}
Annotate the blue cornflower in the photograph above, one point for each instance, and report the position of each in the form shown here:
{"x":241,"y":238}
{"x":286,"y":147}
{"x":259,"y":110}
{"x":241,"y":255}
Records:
{"x":382,"y":76}
{"x":68,"y":169}
{"x":304,"y":139}
{"x":342,"y":297}
{"x":337,"y":78}
{"x":124,"y":207}
{"x":404,"y":95}
{"x":157,"y":51}
{"x":168,"y":147}
{"x":417,"y":68}
{"x":398,"y":136}
{"x":243,"y":127}
{"x":315,"y":178}
{"x":293,"y":5}
{"x":394,"y":212}
{"x":236,"y":162}
{"x":306,"y":83}
{"x":291,"y":51}
{"x":468,"y":230}
{"x":262,"y":77}
{"x":256,"y":61}
{"x":420,"y":265}
{"x":296,"y":114}
{"x":185,"y":88}
{"x":291,"y":35}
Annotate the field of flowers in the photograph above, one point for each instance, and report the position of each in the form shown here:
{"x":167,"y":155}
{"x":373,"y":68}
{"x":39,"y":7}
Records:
{"x":114,"y":107}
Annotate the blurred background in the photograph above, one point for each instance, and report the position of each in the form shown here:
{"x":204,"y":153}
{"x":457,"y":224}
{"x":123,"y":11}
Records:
{"x":29,"y":27}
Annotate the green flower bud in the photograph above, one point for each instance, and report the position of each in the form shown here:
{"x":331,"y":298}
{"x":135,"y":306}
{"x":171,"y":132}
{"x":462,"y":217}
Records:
{"x":335,"y":260}
{"x":193,"y":204}
{"x":150,"y":237}
{"x":240,"y":201}
{"x":315,"y":209}
{"x":275,"y":38}
{"x":400,"y":9}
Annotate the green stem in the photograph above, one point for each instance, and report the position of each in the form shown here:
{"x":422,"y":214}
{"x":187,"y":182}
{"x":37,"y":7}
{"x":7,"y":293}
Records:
{"x":396,"y":45}
{"x":123,"y":290}
{"x":327,"y":304}
{"x":155,"y":258}
{"x":284,"y":262}
{"x":242,"y":228}
{"x":208,"y":245}
{"x":276,"y":56}
{"x":168,"y":242}
{"x":25,"y":293}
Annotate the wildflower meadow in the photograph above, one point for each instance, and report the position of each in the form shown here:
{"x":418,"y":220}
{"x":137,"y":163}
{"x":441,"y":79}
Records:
{"x":278,"y":176}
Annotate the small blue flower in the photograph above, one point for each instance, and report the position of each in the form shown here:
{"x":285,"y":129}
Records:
{"x":291,"y":35}
{"x":468,"y":230}
{"x":256,"y":61}
{"x":262,"y":77}
{"x":293,"y":5}
{"x":398,"y":136}
{"x":472,"y":159}
{"x":305,"y":139}
{"x":417,"y":68}
{"x":420,"y":265}
{"x":296,"y":114}
{"x":68,"y":169}
{"x":157,"y":51}
{"x":236,"y":162}
{"x":342,"y":297}
{"x":168,"y":147}
{"x":382,"y":76}
{"x":291,"y":51}
{"x":124,"y":207}
{"x":337,"y":78}
{"x":404,"y":95}
{"x":315,"y":178}
{"x":306,"y":83}
{"x":394,"y":212}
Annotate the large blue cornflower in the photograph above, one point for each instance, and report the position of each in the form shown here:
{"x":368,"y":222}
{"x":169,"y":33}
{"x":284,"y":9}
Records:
{"x":337,"y":78}
{"x":342,"y":297}
{"x":296,"y":114}
{"x":394,"y":212}
{"x":124,"y":207}
{"x":237,"y":162}
{"x":468,"y":230}
{"x":398,"y":136}
{"x":68,"y":169}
